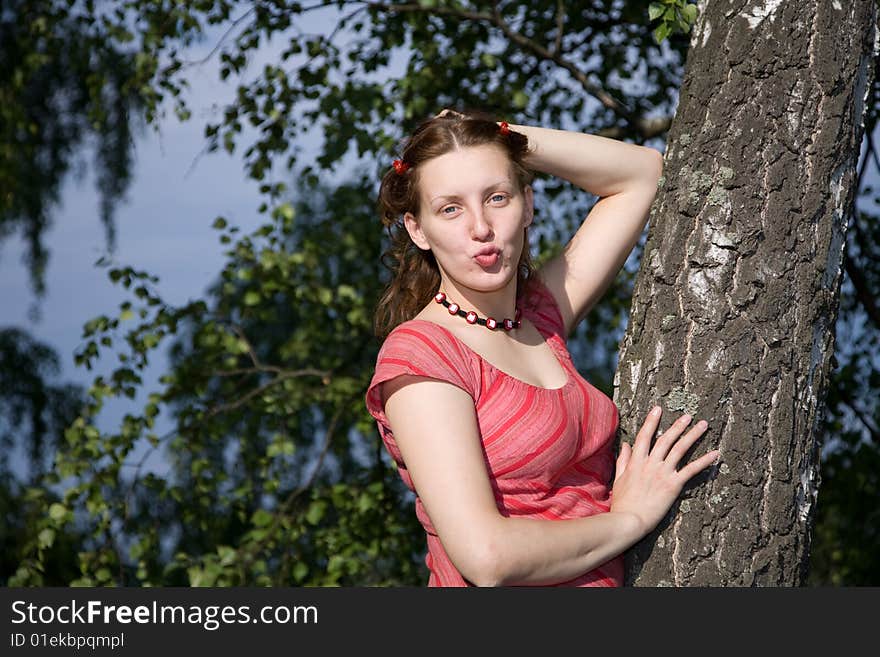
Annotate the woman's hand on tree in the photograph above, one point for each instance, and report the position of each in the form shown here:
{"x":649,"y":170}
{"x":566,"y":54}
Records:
{"x":647,"y":480}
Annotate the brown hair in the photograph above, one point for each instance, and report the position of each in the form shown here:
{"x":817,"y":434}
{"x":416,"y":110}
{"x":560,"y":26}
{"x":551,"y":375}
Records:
{"x":415,"y":277}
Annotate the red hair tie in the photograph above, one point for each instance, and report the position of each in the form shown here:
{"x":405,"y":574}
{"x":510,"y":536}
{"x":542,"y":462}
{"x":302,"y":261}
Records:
{"x":504,"y":128}
{"x":400,"y":166}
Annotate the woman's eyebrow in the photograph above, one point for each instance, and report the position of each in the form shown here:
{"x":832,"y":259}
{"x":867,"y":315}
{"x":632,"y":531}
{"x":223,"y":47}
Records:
{"x":492,"y":186}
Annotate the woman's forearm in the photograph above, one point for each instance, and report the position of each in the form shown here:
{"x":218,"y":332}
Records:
{"x":536,"y":552}
{"x":599,"y":165}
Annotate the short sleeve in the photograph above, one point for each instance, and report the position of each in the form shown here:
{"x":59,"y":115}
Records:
{"x":421,"y":348}
{"x":542,"y":309}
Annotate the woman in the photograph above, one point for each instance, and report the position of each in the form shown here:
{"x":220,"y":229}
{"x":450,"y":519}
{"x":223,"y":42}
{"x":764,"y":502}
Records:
{"x":508,"y":449}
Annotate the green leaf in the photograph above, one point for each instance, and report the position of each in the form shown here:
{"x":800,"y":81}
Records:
{"x":690,"y":13}
{"x":227,"y":555}
{"x":661,"y":32}
{"x":57,"y":512}
{"x":316,"y":511}
{"x":196,"y":576}
{"x":261,"y":518}
{"x":365,"y":503}
{"x":345,"y":291}
{"x":286,"y":211}
{"x":655,"y":10}
{"x":46,"y":537}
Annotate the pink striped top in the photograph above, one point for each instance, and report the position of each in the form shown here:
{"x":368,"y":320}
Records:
{"x":548,"y":451}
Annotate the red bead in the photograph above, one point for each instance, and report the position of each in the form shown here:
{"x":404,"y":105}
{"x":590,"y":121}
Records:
{"x":471,"y":317}
{"x":453,"y":308}
{"x":508,"y":324}
{"x":491,"y":323}
{"x":439,"y":297}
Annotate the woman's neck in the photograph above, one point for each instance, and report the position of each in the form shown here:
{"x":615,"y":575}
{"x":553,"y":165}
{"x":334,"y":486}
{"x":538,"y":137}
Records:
{"x":498,"y":304}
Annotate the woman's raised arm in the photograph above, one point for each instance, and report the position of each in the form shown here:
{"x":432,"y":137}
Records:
{"x":625,"y":178}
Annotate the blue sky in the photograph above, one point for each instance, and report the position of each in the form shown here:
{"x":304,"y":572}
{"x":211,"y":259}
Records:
{"x":163,"y":226}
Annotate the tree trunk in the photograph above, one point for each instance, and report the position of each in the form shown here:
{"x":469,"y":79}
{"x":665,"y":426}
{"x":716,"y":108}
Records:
{"x":734,"y":307}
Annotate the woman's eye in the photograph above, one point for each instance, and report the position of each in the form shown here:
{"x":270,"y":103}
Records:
{"x":494,"y":197}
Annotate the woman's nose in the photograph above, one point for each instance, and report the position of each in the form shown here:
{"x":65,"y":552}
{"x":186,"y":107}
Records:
{"x":480,"y":225}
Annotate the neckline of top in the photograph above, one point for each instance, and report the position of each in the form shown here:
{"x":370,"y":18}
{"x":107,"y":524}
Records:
{"x":569,"y":378}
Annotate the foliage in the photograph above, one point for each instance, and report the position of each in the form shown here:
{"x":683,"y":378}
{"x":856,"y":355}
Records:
{"x":30,"y":404}
{"x":275,"y":473}
{"x":674,"y":15}
{"x":65,"y":78}
{"x":265,"y":485}
{"x":34,"y":410}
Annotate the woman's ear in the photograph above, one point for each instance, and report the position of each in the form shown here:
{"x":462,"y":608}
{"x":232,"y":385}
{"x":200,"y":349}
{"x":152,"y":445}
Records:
{"x":415,"y":231}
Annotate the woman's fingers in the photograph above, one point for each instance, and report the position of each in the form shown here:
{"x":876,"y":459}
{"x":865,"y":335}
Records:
{"x":642,"y":443}
{"x":699,"y":464}
{"x":449,"y":111}
{"x":680,"y":448}
{"x":622,"y":459}
{"x":671,"y":445}
{"x":669,"y":437}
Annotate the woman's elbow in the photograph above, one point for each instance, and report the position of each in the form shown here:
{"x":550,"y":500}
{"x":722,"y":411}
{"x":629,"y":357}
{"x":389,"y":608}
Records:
{"x":650,"y":165}
{"x":485,"y":563}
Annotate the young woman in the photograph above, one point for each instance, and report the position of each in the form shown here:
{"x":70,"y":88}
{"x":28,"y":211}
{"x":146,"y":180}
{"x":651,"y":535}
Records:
{"x":508,"y":449}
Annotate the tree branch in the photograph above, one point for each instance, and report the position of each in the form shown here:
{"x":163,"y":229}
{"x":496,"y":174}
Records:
{"x":186,"y":64}
{"x":560,"y":16}
{"x":250,"y":552}
{"x":863,"y":293}
{"x":647,"y":127}
{"x":282,"y":376}
{"x":850,"y":403}
{"x":222,"y":408}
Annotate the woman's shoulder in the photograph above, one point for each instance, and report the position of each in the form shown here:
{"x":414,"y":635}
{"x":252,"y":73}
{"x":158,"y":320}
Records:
{"x":433,"y":345}
{"x":424,"y":349}
{"x":419,"y":335}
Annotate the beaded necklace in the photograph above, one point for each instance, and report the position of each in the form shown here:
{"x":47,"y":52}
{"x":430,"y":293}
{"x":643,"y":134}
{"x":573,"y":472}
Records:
{"x":472,"y":318}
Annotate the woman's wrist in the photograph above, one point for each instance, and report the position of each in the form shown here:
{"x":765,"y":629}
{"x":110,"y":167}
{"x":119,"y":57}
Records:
{"x":630,"y":526}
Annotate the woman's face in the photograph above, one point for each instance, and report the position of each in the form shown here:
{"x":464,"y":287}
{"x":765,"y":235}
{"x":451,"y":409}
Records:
{"x":470,"y":205}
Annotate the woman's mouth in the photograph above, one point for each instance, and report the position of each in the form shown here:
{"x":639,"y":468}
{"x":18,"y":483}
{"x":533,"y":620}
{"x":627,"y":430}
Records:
{"x":487,"y":259}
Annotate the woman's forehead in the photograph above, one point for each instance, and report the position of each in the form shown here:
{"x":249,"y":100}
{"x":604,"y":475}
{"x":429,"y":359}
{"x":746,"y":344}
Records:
{"x":464,"y":171}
